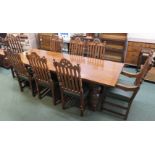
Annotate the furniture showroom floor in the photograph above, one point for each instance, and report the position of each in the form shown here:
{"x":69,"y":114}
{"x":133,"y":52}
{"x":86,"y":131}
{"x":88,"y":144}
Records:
{"x":17,"y":106}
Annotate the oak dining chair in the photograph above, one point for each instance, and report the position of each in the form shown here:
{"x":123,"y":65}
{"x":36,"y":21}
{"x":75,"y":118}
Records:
{"x":15,"y":46}
{"x":96,"y":49}
{"x":77,"y":47}
{"x":42,"y":76}
{"x":23,"y":73}
{"x":70,"y":82}
{"x":56,"y":44}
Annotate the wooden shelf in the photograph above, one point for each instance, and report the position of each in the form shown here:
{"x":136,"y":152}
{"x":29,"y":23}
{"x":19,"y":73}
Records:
{"x":115,"y":45}
{"x":113,"y":57}
{"x":114,"y":36}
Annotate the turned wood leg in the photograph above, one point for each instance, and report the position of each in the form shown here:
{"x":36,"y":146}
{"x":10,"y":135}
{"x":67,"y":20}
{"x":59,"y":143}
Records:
{"x":13,"y":72}
{"x":62,"y":100}
{"x":103,"y":96}
{"x":53,"y":95}
{"x":20,"y":85}
{"x":94,"y":98}
{"x":82,"y":105}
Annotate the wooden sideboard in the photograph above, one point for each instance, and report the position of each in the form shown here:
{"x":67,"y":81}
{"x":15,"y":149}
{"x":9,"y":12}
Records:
{"x":133,"y":51}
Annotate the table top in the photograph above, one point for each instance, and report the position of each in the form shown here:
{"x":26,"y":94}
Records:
{"x":94,"y":70}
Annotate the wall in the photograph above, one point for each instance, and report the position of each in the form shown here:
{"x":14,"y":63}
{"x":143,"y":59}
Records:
{"x":142,"y":37}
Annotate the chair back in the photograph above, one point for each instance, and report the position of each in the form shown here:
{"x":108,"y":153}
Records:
{"x":97,"y":40}
{"x":146,"y":67}
{"x":16,"y":63}
{"x":56,"y":44}
{"x":39,"y":67}
{"x":14,"y":44}
{"x":69,"y":76}
{"x":96,"y":49}
{"x":77,"y":47}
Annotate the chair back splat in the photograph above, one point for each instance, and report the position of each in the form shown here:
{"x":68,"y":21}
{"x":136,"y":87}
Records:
{"x":96,"y":50}
{"x":16,"y":63}
{"x":56,"y":44}
{"x":39,"y":66}
{"x":144,"y":70}
{"x":69,"y":76}
{"x":77,"y":47}
{"x":14,"y":44}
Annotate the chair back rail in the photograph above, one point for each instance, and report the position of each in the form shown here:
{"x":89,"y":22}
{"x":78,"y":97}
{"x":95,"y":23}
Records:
{"x":146,"y":67}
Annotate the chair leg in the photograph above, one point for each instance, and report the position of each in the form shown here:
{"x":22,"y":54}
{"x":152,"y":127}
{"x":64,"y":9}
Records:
{"x":53,"y":95}
{"x":104,"y":97}
{"x":13,"y":72}
{"x":62,"y":100}
{"x":31,"y":87}
{"x":127,"y":113}
{"x":20,"y":85}
{"x":82,"y":105}
{"x":38,"y":90}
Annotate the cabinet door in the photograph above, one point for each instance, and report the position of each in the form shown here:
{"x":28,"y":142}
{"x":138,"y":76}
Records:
{"x":132,"y":58}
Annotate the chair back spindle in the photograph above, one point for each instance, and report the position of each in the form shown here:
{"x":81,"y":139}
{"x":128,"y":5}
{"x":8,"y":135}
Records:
{"x":14,"y":44}
{"x":96,"y":50}
{"x":16,"y":63}
{"x":77,"y":47}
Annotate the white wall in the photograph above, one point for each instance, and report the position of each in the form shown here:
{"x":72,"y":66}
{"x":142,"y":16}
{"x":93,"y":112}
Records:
{"x":142,"y":37}
{"x":32,"y":40}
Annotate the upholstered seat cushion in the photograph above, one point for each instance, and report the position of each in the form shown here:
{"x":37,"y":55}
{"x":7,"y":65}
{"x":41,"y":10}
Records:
{"x":119,"y":93}
{"x":126,"y":80}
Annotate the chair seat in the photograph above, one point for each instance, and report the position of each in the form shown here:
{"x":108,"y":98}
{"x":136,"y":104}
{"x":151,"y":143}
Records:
{"x":126,"y":80}
{"x":119,"y":93}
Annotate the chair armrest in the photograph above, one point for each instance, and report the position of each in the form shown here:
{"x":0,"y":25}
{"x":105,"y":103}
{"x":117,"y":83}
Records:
{"x":130,"y":75}
{"x":126,"y":87}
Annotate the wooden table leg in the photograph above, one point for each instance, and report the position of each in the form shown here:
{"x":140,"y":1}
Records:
{"x":94,"y":96}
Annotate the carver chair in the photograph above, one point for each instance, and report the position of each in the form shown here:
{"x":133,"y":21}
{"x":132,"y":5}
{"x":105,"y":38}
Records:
{"x":118,"y":100}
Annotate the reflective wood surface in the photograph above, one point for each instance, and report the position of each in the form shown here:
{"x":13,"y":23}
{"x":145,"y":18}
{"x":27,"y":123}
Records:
{"x":94,"y":70}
